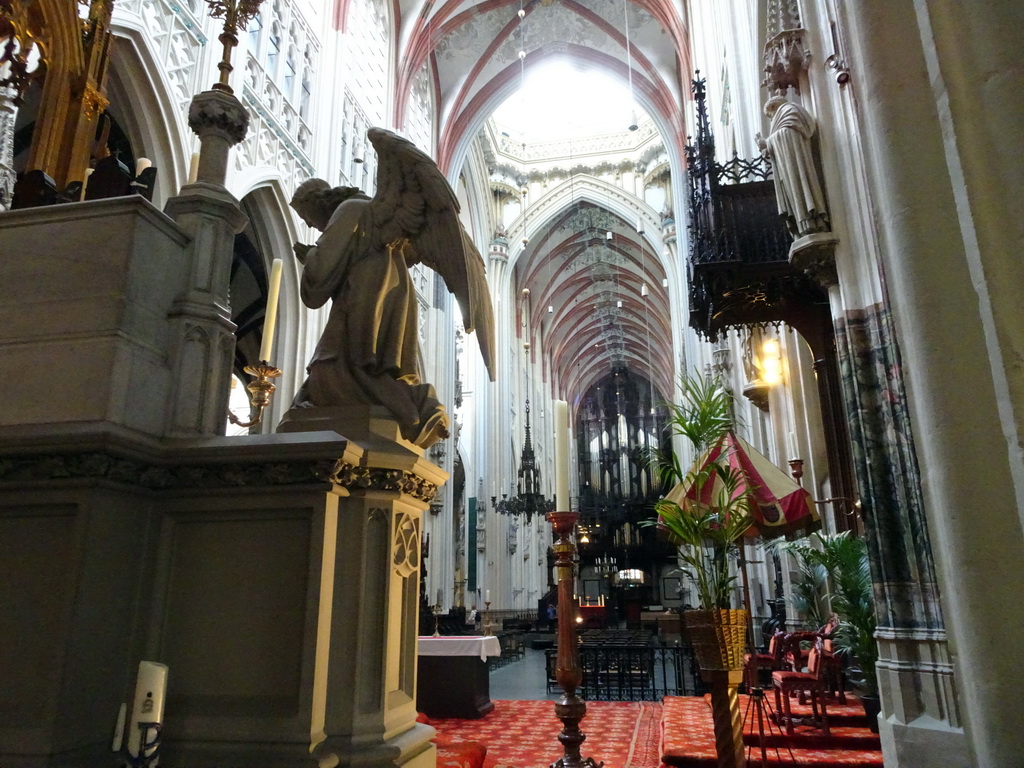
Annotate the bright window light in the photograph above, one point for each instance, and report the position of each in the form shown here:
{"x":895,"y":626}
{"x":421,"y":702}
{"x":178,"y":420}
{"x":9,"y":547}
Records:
{"x":560,"y":100}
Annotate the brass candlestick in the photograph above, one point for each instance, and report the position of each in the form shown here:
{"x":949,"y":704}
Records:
{"x":260,"y":389}
{"x":437,"y":614}
{"x":236,"y":13}
{"x":570,"y":709}
{"x":487,"y":618}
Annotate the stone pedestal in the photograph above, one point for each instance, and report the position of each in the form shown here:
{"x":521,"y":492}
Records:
{"x":276,"y":576}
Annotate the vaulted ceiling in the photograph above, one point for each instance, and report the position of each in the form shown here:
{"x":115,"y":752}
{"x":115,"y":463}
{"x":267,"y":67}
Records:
{"x":593,"y":300}
{"x":475,"y":45}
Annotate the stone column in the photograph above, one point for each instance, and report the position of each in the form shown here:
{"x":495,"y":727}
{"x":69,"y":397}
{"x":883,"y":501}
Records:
{"x":203,"y":339}
{"x":943,"y":127}
{"x":8,"y":113}
{"x":365,"y":689}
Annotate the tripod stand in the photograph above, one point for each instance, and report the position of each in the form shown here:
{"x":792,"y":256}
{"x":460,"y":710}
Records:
{"x":758,"y":703}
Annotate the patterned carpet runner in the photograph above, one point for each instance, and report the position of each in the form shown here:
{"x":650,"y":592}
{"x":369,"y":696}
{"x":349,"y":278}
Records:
{"x":524,"y":734}
{"x":679,"y":733}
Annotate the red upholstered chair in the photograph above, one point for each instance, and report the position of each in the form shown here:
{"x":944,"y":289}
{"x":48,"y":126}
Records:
{"x":812,"y":682}
{"x":772,"y":660}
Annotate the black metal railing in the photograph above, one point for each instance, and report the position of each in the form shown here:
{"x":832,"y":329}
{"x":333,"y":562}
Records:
{"x":633,"y":673}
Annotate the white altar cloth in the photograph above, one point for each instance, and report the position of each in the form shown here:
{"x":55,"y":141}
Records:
{"x":459,"y":646}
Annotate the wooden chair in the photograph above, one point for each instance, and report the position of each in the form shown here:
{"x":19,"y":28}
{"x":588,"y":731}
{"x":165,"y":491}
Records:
{"x":772,"y":660}
{"x":811,"y":682}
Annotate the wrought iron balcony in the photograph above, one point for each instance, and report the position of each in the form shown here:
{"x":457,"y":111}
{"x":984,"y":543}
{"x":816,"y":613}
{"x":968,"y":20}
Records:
{"x":739,"y":266}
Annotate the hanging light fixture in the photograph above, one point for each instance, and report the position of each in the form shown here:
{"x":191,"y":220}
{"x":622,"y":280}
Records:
{"x":528,"y":500}
{"x":629,"y":67}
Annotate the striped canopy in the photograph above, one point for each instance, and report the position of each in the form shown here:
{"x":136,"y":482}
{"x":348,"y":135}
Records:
{"x":781,"y":507}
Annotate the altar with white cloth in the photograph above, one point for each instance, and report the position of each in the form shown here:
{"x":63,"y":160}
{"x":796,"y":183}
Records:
{"x":453,"y":680}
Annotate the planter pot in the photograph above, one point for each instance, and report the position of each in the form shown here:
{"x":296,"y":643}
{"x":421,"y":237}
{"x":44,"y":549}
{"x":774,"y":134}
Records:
{"x":872,"y":706}
{"x":719,"y":637}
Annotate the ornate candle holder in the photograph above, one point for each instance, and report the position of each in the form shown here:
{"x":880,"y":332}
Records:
{"x":260,"y":389}
{"x":437,"y":614}
{"x":796,"y":469}
{"x":570,"y":709}
{"x":487,"y":618}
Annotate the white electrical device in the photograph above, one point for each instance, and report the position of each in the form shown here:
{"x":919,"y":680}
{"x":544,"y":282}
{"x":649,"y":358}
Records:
{"x":150,"y":690}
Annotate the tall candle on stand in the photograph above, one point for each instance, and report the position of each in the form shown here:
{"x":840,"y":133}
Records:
{"x":487,"y":596}
{"x":193,"y":168}
{"x":562,"y":455}
{"x":271,"y":318}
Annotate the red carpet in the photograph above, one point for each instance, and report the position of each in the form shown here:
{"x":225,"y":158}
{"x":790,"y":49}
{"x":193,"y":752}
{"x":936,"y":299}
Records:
{"x":524,"y":734}
{"x":688,"y":739}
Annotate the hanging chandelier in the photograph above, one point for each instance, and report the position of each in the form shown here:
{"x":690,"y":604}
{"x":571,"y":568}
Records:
{"x":528,"y":500}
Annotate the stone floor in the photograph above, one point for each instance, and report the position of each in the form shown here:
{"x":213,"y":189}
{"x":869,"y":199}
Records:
{"x":522,"y":680}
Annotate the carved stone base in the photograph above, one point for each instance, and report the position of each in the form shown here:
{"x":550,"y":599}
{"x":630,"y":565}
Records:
{"x":920,"y":721}
{"x":815,"y":254}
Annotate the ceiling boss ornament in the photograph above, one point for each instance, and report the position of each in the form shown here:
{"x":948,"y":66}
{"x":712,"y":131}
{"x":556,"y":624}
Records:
{"x":236,"y":14}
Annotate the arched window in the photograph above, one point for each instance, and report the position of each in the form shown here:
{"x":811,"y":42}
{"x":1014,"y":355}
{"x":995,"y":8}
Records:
{"x":307,"y":84}
{"x":255,"y":31}
{"x":273,"y":49}
{"x":289,"y":74}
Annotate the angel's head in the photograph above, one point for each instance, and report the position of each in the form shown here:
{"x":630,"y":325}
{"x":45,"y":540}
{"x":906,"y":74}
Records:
{"x":315,"y":200}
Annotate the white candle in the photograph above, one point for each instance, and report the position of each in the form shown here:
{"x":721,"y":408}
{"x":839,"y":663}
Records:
{"x":193,"y":168}
{"x":271,"y":318}
{"x":85,"y":181}
{"x":118,"y":740}
{"x":142,"y":164}
{"x":562,"y":440}
{"x":487,"y":596}
{"x":793,"y":454}
{"x":438,"y":597}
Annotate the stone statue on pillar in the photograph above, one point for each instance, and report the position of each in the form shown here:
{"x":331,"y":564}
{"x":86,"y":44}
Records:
{"x":798,"y":185}
{"x":368,"y":352}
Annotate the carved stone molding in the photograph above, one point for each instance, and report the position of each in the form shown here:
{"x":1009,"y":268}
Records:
{"x":377,"y":479}
{"x":160,"y":475}
{"x":167,"y":475}
{"x":815,"y":254}
{"x":785,"y":57}
{"x":405,"y":549}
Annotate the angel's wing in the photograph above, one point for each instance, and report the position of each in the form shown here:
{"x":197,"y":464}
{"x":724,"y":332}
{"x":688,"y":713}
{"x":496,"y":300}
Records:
{"x":414,"y":202}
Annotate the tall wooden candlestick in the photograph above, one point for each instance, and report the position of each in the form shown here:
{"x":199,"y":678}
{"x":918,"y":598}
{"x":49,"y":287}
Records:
{"x":570,"y":709}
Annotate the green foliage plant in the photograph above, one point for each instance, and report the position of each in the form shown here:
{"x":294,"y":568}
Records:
{"x":844,"y":559}
{"x":709,"y":522}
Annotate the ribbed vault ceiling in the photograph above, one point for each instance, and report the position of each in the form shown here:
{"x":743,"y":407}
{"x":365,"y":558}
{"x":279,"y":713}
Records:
{"x":607,"y":299}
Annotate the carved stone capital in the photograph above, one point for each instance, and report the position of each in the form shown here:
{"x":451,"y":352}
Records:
{"x":815,"y":254}
{"x":218,"y":113}
{"x":785,"y":57}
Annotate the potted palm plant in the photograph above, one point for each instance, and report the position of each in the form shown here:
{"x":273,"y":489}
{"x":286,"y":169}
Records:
{"x":706,"y":515}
